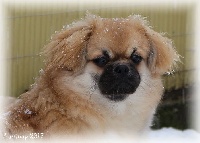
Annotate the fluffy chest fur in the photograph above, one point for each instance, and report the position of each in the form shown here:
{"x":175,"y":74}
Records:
{"x":133,"y":114}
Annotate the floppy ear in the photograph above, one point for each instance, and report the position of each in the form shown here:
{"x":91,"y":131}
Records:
{"x":162,"y":56}
{"x":67,"y":48}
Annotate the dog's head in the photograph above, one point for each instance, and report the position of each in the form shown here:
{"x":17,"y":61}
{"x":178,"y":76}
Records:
{"x":114,"y":53}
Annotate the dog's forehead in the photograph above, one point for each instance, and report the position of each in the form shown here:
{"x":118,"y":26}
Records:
{"x":118,"y":37}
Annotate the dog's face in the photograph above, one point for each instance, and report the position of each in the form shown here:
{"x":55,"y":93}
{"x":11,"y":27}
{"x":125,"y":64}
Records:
{"x":119,"y":76}
{"x":115,"y":49}
{"x":110,"y":55}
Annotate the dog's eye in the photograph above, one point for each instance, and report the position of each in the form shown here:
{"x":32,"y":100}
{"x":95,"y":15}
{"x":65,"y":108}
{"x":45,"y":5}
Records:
{"x":136,"y":58}
{"x":101,"y":61}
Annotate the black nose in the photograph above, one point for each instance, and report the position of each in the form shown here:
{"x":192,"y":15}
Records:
{"x":121,"y":69}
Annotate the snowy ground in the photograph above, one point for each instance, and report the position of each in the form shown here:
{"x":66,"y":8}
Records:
{"x":164,"y":135}
{"x":174,"y":135}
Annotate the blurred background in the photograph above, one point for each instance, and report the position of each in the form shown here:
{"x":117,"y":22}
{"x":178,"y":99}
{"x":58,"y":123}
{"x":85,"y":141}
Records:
{"x":30,"y":27}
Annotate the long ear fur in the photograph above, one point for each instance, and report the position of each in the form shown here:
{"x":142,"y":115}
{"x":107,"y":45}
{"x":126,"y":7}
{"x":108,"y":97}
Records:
{"x":162,"y":55}
{"x":67,"y":48}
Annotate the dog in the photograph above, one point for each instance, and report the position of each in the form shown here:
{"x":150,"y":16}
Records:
{"x":100,"y":74}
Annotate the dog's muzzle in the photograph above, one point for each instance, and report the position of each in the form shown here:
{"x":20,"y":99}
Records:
{"x":118,"y":81}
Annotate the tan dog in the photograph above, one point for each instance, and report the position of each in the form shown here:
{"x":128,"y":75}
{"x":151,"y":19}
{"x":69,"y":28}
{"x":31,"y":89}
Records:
{"x":101,"y":74}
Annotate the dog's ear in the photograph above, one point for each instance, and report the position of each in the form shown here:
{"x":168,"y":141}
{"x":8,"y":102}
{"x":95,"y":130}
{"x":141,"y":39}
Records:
{"x":162,"y":55}
{"x":67,"y":48}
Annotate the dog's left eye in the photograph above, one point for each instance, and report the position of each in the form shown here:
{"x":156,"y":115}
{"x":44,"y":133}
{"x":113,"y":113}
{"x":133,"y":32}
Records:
{"x":101,"y":61}
{"x":136,"y":58}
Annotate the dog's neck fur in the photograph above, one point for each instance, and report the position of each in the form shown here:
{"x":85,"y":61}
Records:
{"x":53,"y":102}
{"x":130,"y":115}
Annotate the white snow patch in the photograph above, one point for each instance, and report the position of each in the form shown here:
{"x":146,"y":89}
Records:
{"x":27,"y":111}
{"x":173,"y":135}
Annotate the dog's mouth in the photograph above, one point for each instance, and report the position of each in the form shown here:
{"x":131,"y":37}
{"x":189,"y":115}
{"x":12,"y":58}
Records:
{"x":116,"y":85}
{"x":116,"y":97}
{"x":118,"y":90}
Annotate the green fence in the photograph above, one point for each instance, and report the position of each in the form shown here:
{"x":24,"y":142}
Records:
{"x":30,"y":28}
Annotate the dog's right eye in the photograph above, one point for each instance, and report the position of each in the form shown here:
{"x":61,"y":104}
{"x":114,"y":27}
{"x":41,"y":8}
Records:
{"x":101,"y":61}
{"x":136,"y":58}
